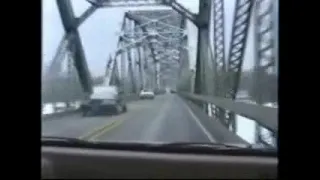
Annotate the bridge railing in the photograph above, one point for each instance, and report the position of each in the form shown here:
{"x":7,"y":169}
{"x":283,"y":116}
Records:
{"x":267,"y":117}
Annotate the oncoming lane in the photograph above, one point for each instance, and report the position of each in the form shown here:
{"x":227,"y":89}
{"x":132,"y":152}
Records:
{"x":77,"y":126}
{"x":164,"y":119}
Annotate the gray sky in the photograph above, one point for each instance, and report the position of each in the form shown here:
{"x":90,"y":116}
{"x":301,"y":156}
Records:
{"x":98,"y":32}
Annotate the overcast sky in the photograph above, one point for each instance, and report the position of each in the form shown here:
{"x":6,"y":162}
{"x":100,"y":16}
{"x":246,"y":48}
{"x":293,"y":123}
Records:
{"x":99,"y":32}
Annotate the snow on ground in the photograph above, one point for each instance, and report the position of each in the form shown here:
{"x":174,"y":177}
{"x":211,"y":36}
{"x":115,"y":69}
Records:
{"x":245,"y":128}
{"x":48,"y":108}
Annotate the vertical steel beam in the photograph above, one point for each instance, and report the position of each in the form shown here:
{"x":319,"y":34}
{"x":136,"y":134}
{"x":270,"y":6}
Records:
{"x":123,"y":63}
{"x":140,"y":65}
{"x":266,"y":57}
{"x":108,"y":66}
{"x":183,"y":56}
{"x":130,"y":66}
{"x":115,"y":75}
{"x":202,"y":47}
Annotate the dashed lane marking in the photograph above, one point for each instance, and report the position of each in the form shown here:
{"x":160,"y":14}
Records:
{"x":97,"y":130}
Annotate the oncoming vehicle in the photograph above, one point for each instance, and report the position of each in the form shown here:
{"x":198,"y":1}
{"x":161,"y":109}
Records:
{"x":160,"y":91}
{"x":146,"y":94}
{"x":107,"y":99}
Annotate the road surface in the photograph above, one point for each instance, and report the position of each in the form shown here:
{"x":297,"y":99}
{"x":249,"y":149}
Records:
{"x":164,"y":119}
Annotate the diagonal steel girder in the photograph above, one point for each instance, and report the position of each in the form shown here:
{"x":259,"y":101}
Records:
{"x":240,"y":30}
{"x":136,"y":3}
{"x":238,"y":44}
{"x":55,"y":66}
{"x":70,"y":24}
{"x":55,"y":63}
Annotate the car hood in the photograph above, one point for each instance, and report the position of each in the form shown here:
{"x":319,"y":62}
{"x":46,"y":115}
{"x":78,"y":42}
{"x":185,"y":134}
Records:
{"x":162,"y":142}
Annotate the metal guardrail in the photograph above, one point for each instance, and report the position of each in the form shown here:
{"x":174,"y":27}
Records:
{"x":131,"y":97}
{"x":265,"y":116}
{"x":215,"y":128}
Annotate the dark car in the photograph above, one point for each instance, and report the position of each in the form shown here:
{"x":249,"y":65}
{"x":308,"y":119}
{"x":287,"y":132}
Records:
{"x":146,"y":94}
{"x":173,"y":91}
{"x":106,"y":100}
{"x":160,"y":91}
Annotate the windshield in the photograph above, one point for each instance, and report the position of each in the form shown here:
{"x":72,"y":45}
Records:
{"x":213,"y":82}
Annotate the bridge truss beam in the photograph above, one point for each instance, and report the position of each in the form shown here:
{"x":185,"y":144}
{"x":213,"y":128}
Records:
{"x":266,"y":58}
{"x":201,"y":84}
{"x":70,"y":25}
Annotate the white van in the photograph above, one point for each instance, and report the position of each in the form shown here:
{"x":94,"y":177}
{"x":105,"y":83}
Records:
{"x":105,"y":99}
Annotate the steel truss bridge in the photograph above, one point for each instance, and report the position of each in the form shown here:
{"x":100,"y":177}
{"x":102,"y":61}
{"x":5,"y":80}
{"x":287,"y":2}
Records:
{"x":152,"y":52}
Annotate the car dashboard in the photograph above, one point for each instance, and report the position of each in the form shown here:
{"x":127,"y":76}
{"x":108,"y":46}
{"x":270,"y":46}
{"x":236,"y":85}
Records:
{"x":88,"y":163}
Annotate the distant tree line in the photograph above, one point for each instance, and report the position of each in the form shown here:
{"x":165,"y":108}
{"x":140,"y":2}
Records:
{"x":264,"y":89}
{"x":98,"y":80}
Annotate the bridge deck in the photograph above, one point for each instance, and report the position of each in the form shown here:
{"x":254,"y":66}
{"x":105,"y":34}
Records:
{"x":165,"y":119}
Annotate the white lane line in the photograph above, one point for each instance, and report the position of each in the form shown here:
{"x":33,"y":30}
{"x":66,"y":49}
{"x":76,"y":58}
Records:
{"x":194,"y":117}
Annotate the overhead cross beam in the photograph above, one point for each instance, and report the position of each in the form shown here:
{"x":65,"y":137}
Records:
{"x":85,"y":15}
{"x":136,"y":3}
{"x":125,"y":3}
